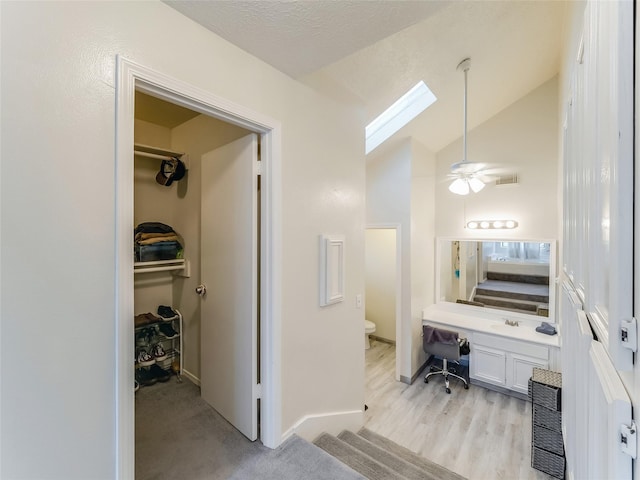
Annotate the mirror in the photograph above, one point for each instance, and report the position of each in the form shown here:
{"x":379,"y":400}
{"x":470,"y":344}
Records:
{"x":505,"y":275}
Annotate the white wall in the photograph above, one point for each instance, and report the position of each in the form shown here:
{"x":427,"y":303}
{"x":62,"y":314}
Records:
{"x":423,"y":208}
{"x":400,"y":190}
{"x":523,"y":136}
{"x":380,"y":281}
{"x":57,"y":296}
{"x":389,"y":202}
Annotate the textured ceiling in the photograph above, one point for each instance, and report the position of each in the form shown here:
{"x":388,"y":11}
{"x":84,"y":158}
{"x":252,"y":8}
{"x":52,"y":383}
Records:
{"x":299,"y":37}
{"x":372,"y":52}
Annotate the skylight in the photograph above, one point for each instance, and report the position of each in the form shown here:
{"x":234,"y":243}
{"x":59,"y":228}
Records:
{"x":405,"y":109}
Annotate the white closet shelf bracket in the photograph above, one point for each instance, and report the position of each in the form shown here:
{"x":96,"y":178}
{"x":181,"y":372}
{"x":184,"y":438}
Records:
{"x":179,"y":266}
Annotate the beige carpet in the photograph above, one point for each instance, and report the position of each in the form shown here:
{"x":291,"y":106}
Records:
{"x":179,"y":436}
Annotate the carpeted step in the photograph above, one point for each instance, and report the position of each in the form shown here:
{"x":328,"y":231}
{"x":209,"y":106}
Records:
{"x":395,"y":463}
{"x":513,"y":295}
{"x":519,"y":278}
{"x":429,"y":469}
{"x":354,"y":458}
{"x":501,"y":302}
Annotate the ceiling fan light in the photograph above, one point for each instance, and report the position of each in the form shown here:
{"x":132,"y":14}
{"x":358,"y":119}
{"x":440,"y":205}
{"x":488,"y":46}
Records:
{"x":459,"y":186}
{"x":476,"y":185}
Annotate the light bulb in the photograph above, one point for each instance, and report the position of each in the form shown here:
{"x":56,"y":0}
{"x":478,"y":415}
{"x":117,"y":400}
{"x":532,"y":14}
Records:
{"x":498,"y":224}
{"x":459,"y":186}
{"x":484,"y":224}
{"x":475,"y":184}
{"x":472,"y":224}
{"x":510,"y":224}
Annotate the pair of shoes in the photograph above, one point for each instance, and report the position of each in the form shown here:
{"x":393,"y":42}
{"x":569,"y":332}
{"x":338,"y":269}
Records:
{"x":144,"y":359}
{"x":144,"y":377}
{"x":167,"y":313}
{"x":145,"y":319}
{"x":158,"y":352}
{"x":167,"y":330}
{"x":145,"y":337}
{"x":159,"y":373}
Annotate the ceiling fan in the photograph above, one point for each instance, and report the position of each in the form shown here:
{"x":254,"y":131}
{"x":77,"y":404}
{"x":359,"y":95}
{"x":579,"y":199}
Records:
{"x":467,"y":176}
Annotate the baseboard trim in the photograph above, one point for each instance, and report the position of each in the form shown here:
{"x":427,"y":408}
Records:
{"x":191,"y":377}
{"x":383,"y":340}
{"x":409,"y":381}
{"x":310,"y":426}
{"x":499,"y":389}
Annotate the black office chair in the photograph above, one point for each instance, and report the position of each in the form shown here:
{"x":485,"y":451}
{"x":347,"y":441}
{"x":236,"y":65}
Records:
{"x":447,"y":345}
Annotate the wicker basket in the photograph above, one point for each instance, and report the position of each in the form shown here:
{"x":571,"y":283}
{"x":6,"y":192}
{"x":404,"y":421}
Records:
{"x":548,"y":462}
{"x":548,"y":377}
{"x":548,"y":439}
{"x":546,"y":388}
{"x":545,"y":417}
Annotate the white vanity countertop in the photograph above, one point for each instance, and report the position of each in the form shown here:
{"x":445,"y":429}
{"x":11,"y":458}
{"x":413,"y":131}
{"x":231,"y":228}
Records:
{"x":489,"y":323}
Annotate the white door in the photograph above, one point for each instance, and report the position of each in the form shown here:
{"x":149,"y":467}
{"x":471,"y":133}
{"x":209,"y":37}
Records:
{"x":229,"y":259}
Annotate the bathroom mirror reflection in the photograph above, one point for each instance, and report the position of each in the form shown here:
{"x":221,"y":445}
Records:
{"x":506,"y":275}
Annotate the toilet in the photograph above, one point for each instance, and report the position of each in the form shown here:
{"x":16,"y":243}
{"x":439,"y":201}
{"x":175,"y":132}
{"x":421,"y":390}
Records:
{"x":369,"y":328}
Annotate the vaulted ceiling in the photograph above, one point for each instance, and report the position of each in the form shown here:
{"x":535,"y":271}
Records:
{"x":372,"y":51}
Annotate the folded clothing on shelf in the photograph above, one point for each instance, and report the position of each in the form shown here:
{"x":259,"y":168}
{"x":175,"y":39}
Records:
{"x":153,"y":227}
{"x":157,"y":241}
{"x":158,"y":251}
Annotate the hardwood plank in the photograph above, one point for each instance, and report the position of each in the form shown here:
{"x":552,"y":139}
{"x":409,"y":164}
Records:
{"x":478,"y":433}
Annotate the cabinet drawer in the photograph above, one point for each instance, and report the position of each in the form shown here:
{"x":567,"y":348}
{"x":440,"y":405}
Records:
{"x":510,"y":345}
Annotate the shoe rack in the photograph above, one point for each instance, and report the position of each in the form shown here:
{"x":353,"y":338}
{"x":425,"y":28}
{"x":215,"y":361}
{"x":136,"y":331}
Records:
{"x":150,"y":333}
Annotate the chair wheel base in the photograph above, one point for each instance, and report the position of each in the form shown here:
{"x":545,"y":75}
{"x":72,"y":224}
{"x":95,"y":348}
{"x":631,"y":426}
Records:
{"x":448,"y":390}
{"x":426,"y":380}
{"x":466,"y":386}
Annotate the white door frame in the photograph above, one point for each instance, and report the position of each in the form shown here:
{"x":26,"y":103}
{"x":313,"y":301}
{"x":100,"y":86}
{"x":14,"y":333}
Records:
{"x":130,"y":77}
{"x":401,"y":343}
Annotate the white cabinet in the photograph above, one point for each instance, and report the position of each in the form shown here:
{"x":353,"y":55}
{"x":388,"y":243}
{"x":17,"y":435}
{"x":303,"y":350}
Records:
{"x":488,"y":364}
{"x":505,"y":362}
{"x":520,"y":369}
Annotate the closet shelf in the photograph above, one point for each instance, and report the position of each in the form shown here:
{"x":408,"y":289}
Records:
{"x":175,"y":264}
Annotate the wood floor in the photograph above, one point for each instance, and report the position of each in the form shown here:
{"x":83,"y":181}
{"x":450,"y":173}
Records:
{"x":477,"y":433}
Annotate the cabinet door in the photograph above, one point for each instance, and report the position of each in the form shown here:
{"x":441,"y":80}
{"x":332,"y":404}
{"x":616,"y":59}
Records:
{"x":488,"y":365}
{"x":520,"y":369}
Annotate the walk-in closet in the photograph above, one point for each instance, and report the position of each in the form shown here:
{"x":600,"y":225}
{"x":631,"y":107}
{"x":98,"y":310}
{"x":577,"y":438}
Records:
{"x":176,"y":152}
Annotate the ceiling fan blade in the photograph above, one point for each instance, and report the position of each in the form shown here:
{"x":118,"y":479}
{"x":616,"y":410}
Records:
{"x":467,"y":167}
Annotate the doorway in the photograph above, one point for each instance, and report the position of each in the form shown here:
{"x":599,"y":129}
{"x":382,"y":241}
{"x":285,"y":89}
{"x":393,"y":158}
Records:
{"x":383,"y":286}
{"x":134,"y":78}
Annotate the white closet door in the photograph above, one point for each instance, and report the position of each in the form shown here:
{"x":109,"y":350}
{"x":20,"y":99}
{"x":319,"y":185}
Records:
{"x":599,"y":168}
{"x":611,"y":188}
{"x":229,"y":338}
{"x":609,"y":409}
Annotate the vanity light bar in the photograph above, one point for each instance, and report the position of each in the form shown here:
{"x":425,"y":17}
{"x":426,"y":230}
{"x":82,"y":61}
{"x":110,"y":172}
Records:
{"x":491,"y":224}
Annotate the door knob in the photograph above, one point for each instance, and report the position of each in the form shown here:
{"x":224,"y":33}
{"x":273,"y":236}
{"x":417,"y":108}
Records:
{"x":201,"y":290}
